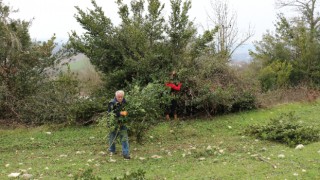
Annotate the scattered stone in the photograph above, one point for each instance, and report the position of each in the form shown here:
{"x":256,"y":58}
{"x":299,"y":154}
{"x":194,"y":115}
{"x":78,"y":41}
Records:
{"x":49,"y":133}
{"x":46,"y":168}
{"x":183,"y":155}
{"x":295,"y":174}
{"x":63,"y":155}
{"x":102,"y":153}
{"x":300,"y":146}
{"x":209,"y":148}
{"x":230,"y":127}
{"x":14,"y":175}
{"x":281,"y":156}
{"x":303,"y":170}
{"x":80,"y":152}
{"x":142,"y":158}
{"x":202,"y":159}
{"x":112,"y":160}
{"x":7,"y":165}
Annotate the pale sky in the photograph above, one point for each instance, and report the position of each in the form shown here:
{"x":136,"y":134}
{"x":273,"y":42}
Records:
{"x":54,"y":16}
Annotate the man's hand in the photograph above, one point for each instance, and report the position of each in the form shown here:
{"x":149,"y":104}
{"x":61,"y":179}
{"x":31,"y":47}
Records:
{"x":123,"y":113}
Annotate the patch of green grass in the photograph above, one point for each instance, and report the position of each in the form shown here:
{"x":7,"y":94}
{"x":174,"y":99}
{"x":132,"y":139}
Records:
{"x":193,"y":149}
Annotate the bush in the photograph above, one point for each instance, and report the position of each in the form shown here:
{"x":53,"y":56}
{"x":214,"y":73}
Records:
{"x":285,"y":129}
{"x":51,"y":102}
{"x":245,"y":101}
{"x":84,"y":110}
{"x":139,"y":175}
{"x":87,"y":175}
{"x":145,"y":107}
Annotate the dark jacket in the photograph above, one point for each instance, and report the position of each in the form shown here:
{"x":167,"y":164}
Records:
{"x":115,"y":106}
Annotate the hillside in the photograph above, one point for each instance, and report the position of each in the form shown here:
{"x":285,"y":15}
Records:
{"x":195,"y":149}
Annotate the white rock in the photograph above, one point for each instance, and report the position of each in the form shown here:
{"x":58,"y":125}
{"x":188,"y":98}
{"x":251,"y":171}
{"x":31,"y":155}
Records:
{"x":295,"y":174}
{"x":80,"y":152}
{"x":7,"y":165}
{"x":202,"y":159}
{"x":303,"y":170}
{"x":230,"y":127}
{"x":142,"y":158}
{"x":183,"y":155}
{"x":112,"y":160}
{"x":63,"y":155}
{"x":209,"y":148}
{"x":281,"y":156}
{"x":14,"y":175}
{"x":49,"y":133}
{"x":299,"y":146}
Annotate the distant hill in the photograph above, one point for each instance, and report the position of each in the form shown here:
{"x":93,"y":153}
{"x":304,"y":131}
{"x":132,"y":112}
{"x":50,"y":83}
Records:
{"x":242,"y":54}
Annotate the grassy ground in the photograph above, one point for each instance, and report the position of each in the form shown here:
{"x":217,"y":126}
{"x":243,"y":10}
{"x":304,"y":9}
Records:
{"x":192,"y":149}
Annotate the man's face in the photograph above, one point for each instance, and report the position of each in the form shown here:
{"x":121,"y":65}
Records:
{"x":119,"y":97}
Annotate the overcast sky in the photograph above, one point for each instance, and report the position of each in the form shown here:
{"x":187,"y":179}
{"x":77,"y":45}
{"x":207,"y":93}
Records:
{"x":54,"y":16}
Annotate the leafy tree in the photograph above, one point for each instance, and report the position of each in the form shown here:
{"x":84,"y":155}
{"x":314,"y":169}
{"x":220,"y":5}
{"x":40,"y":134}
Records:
{"x":275,"y":76}
{"x":133,"y":50}
{"x":23,"y":63}
{"x":30,"y":92}
{"x":180,"y":31}
{"x":296,"y":41}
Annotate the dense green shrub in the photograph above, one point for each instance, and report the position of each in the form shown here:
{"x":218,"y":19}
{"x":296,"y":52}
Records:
{"x":87,"y":175}
{"x":85,"y":109}
{"x":52,"y":102}
{"x":285,"y":129}
{"x":245,"y":101}
{"x":138,"y":175}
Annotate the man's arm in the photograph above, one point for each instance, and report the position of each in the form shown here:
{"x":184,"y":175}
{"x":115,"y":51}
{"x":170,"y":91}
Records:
{"x":173,"y":86}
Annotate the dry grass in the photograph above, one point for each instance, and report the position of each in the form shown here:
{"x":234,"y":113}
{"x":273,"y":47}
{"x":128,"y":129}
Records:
{"x":287,"y":95}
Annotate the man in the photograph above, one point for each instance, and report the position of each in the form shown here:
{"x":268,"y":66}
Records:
{"x":116,"y":106}
{"x":174,"y":88}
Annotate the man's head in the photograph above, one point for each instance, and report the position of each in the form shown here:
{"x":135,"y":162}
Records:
{"x":119,"y":95}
